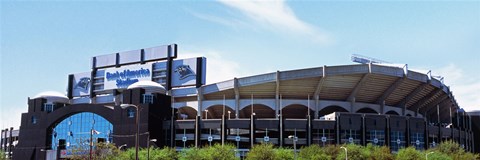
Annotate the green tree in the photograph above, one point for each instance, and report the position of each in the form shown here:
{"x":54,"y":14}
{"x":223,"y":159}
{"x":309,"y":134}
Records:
{"x":409,"y":154}
{"x":99,"y":151}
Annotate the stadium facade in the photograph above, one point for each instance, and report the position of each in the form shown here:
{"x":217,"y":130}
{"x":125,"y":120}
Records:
{"x":359,"y":103}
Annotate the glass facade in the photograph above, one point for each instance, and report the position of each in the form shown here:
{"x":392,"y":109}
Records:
{"x":323,"y":137}
{"x":397,"y":140}
{"x":350,"y":136}
{"x":77,"y":129}
{"x":376,"y":137}
{"x":417,"y":140}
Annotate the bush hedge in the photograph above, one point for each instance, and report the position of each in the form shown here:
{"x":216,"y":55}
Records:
{"x":448,"y":150}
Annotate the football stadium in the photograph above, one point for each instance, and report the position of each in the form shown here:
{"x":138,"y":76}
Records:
{"x":150,"y":97}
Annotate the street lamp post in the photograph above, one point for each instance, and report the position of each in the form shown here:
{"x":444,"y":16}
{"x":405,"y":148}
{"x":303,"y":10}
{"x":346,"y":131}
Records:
{"x":120,"y":147}
{"x":136,"y":124}
{"x":294,"y":138}
{"x":426,"y":155}
{"x":346,"y":152}
{"x":206,"y":114}
{"x":148,"y":146}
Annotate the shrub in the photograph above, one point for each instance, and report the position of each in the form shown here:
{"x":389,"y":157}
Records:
{"x":315,"y":152}
{"x":353,"y":152}
{"x":409,"y":154}
{"x":262,"y":151}
{"x":437,"y":155}
{"x":219,"y":152}
{"x":190,"y":153}
{"x":2,"y":155}
{"x":215,"y":152}
{"x":163,"y":154}
{"x":284,"y":154}
{"x":454,"y":151}
{"x":377,"y":152}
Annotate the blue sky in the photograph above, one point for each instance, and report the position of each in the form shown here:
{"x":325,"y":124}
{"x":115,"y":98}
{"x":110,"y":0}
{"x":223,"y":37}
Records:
{"x":42,"y":42}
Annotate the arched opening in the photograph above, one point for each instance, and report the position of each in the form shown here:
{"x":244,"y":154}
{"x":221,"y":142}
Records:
{"x":367,"y":110}
{"x":216,"y":112}
{"x":408,"y":115}
{"x":260,"y":110}
{"x":331,"y":109}
{"x":296,"y":111}
{"x":186,"y":113}
{"x":392,"y":113}
{"x":75,"y":131}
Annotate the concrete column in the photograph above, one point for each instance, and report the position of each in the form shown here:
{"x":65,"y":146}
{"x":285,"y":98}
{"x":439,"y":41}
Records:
{"x":1,"y":140}
{"x":277,"y":105}
{"x":337,"y":121}
{"x":5,"y":141}
{"x":309,"y":130}
{"x":364,"y":141}
{"x":197,"y":131}
{"x":237,"y":106}
{"x":382,"y":107}
{"x":223,"y":130}
{"x":199,"y":101}
{"x":10,"y":141}
{"x":317,"y":106}
{"x":352,"y":105}
{"x":252,"y":130}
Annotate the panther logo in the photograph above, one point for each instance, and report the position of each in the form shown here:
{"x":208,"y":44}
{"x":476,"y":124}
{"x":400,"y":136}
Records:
{"x":184,"y":71}
{"x":83,"y":83}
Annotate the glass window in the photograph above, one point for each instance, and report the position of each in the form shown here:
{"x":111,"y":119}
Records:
{"x":48,"y":107}
{"x":131,"y":112}
{"x":77,"y":129}
{"x":34,"y":120}
{"x":148,"y":98}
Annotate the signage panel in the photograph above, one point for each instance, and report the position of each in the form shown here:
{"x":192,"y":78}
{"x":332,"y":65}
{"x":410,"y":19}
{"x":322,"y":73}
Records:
{"x":81,"y":84}
{"x":119,"y":78}
{"x":185,"y":72}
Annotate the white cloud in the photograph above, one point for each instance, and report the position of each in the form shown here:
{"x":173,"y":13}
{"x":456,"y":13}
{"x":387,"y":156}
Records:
{"x":218,"y":68}
{"x":465,"y":88}
{"x":271,"y":15}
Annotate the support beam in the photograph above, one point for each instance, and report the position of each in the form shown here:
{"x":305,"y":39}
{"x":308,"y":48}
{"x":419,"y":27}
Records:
{"x":316,"y":94}
{"x":433,"y":104}
{"x":320,"y":83}
{"x":442,"y":111}
{"x":412,"y":94}
{"x":425,"y":99}
{"x":237,"y":98}
{"x":357,"y":88}
{"x":390,"y":90}
{"x":277,"y":94}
